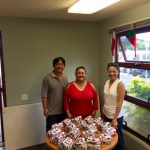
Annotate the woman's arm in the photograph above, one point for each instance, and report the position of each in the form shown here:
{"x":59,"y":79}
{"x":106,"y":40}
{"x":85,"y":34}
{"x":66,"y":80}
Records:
{"x":66,"y":102}
{"x":120,"y":98}
{"x":95,"y":100}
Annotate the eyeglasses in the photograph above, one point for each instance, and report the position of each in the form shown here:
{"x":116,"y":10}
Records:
{"x":112,"y":64}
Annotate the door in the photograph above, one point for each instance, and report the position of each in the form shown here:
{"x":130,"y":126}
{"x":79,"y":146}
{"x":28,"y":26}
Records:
{"x":2,"y":92}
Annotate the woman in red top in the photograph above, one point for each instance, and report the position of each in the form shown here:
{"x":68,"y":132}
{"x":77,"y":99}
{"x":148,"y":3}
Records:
{"x":80,"y":98}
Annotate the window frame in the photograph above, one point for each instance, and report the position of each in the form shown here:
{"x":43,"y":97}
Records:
{"x":133,"y":64}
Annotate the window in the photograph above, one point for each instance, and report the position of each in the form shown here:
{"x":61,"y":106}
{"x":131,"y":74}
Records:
{"x":137,"y":118}
{"x":135,"y":73}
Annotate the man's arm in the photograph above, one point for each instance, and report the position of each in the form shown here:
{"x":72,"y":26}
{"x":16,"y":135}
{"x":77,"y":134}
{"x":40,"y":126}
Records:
{"x":45,"y":108}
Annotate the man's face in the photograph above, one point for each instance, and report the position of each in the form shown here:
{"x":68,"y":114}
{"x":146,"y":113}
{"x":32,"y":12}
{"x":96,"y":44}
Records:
{"x":59,"y":67}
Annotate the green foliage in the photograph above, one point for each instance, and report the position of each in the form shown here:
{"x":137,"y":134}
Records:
{"x":141,"y":44}
{"x":139,"y":88}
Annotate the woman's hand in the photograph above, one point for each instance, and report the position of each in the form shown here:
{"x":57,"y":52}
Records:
{"x":93,"y":113}
{"x":69,"y":115}
{"x":114,"y":123}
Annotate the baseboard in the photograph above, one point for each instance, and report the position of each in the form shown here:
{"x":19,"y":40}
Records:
{"x":134,"y":143}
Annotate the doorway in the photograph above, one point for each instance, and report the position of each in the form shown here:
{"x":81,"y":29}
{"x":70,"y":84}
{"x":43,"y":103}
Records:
{"x":2,"y":92}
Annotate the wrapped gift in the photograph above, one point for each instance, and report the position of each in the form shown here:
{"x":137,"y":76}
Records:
{"x":84,"y":124}
{"x":88,"y":133}
{"x":109,"y":131}
{"x":106,"y":125}
{"x":93,"y":146}
{"x":71,"y":126}
{"x":53,"y":132}
{"x":89,"y":119}
{"x":75,"y":133}
{"x":77,"y":120}
{"x":80,"y":144}
{"x":59,"y":137}
{"x":57,"y":125}
{"x":67,"y":144}
{"x":66,"y":122}
{"x":93,"y":140}
{"x":99,"y":122}
{"x":106,"y":139}
{"x":92,"y":127}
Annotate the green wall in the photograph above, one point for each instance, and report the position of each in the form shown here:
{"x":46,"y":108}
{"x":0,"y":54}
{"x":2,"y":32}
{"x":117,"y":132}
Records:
{"x":29,"y":46}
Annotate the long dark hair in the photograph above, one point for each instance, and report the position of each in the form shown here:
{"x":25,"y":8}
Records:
{"x":114,"y":65}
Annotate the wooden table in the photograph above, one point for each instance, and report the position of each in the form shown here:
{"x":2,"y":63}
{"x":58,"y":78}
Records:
{"x":103,"y":147}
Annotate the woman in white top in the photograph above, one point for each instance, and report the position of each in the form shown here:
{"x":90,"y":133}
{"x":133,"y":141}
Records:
{"x":114,"y":92}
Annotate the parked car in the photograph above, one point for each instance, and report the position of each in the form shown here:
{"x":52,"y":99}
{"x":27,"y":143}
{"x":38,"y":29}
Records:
{"x":137,"y":72}
{"x":146,"y":74}
{"x":141,"y":73}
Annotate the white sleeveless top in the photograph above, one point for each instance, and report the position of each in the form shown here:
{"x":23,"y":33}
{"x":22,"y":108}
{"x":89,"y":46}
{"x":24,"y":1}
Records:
{"x":110,"y":99}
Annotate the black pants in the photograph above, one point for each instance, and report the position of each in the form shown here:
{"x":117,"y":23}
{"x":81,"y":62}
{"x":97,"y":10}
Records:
{"x":120,"y":145}
{"x":51,"y":119}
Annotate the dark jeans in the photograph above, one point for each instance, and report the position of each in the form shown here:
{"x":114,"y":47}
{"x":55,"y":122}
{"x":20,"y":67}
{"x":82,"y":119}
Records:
{"x":120,"y":145}
{"x":51,"y":119}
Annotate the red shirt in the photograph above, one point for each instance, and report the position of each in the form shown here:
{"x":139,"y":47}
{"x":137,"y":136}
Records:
{"x":80,"y":103}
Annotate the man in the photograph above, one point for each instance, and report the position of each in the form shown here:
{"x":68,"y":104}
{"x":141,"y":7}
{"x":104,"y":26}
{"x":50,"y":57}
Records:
{"x":52,"y":93}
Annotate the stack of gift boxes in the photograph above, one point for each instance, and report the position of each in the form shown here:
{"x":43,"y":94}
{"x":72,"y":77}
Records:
{"x":81,"y":134}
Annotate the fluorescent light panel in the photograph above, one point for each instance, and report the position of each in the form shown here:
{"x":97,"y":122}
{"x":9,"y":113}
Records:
{"x":90,"y":6}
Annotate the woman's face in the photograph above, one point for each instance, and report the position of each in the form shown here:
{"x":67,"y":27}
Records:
{"x":80,"y":75}
{"x":113,"y":73}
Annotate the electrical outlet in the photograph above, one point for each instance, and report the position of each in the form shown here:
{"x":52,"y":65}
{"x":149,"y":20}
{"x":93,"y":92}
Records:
{"x":24,"y":97}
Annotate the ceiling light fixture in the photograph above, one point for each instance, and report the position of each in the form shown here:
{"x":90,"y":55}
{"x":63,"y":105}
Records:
{"x":90,"y":6}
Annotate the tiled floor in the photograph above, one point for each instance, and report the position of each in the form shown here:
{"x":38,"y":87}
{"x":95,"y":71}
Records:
{"x":37,"y":147}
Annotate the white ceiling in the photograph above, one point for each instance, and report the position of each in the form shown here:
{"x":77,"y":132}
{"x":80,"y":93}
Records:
{"x":57,"y":9}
